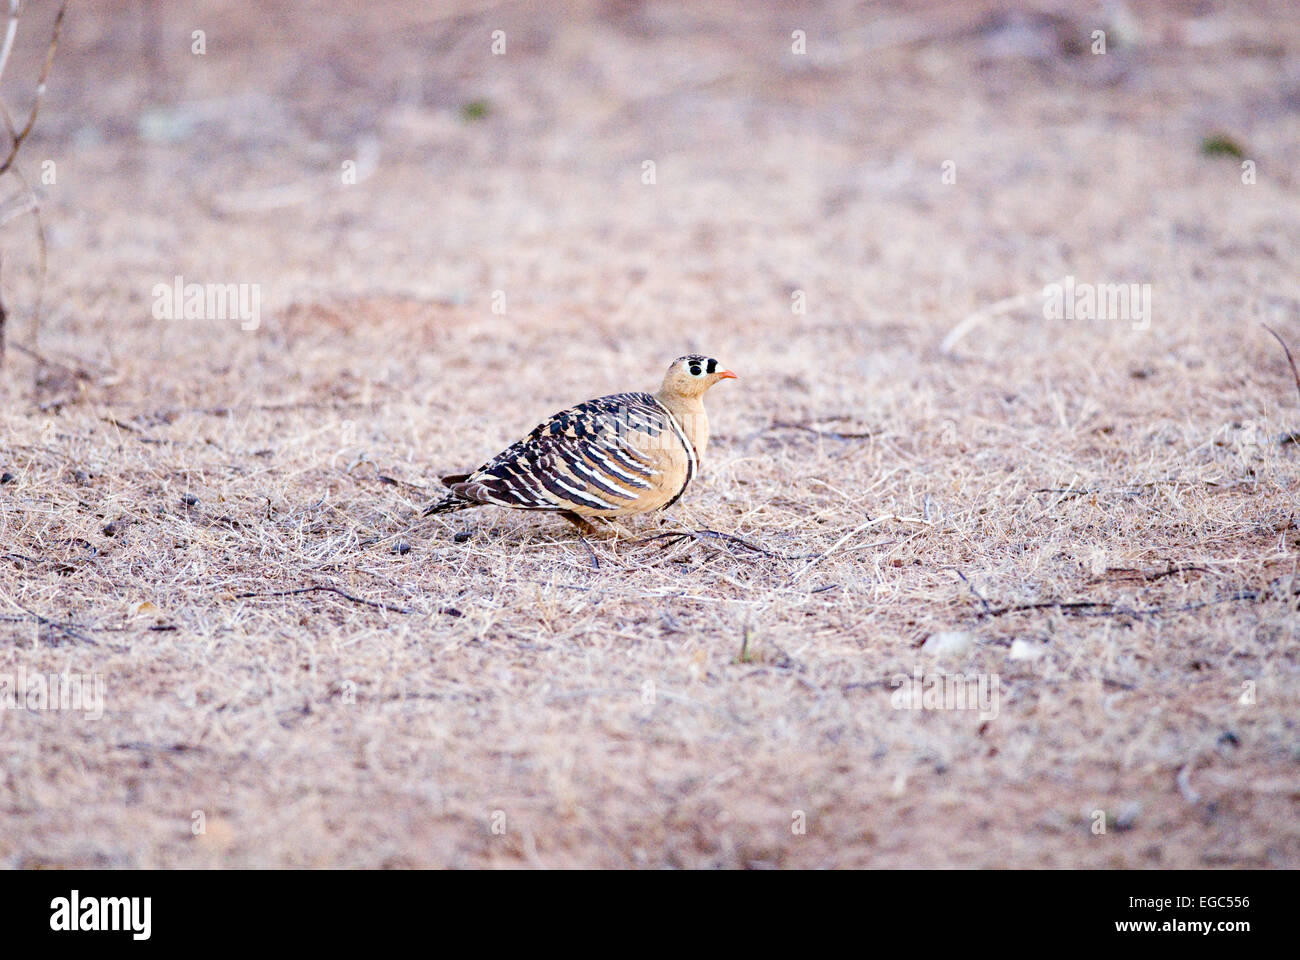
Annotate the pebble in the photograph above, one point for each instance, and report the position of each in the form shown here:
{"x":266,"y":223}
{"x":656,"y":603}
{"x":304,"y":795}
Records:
{"x":1025,"y":650}
{"x":950,"y":643}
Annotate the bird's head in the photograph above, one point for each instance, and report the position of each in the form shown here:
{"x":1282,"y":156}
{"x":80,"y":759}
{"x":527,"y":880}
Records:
{"x":691,"y":376}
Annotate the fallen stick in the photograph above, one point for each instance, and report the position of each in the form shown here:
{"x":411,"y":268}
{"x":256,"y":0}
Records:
{"x":839,"y":543}
{"x":450,"y":611}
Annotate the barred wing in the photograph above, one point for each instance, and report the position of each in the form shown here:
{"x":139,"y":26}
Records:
{"x":603,"y":456}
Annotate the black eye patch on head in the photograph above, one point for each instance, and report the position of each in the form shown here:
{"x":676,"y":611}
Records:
{"x":712,"y":366}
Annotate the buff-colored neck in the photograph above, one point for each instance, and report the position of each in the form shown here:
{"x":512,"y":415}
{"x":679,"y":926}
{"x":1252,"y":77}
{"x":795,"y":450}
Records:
{"x":689,"y":412}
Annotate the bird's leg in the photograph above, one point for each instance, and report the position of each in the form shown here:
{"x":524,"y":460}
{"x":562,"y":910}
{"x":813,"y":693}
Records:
{"x":585,"y":527}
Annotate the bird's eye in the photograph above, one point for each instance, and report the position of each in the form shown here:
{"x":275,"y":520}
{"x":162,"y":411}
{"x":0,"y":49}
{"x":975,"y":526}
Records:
{"x":695,"y":369}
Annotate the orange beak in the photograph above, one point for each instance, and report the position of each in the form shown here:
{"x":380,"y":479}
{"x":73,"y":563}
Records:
{"x":726,"y":375}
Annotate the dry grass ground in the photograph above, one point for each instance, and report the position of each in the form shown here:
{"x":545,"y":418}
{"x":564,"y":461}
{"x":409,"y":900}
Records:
{"x":512,"y":704}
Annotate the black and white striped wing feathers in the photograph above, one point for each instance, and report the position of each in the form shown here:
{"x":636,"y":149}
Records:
{"x":598,"y":457}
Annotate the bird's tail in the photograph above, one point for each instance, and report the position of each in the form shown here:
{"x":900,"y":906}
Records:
{"x":450,"y":504}
{"x":452,"y":501}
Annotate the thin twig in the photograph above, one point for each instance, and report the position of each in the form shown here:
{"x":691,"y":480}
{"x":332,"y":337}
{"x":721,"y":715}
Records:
{"x":673,"y":536}
{"x":1135,"y":491}
{"x":1047,"y":605}
{"x":11,"y":30}
{"x":42,"y":248}
{"x":831,"y":434}
{"x":839,"y":543}
{"x":731,"y":538}
{"x":450,"y":611}
{"x":1143,"y":575}
{"x":40,"y":90}
{"x":677,"y":536}
{"x":698,"y":535}
{"x":1289,"y":359}
{"x":16,"y":138}
{"x":1101,"y":608}
{"x":979,"y":596}
{"x":394,"y":482}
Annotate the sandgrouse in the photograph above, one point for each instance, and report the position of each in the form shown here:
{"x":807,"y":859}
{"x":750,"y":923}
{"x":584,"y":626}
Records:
{"x":610,"y":457}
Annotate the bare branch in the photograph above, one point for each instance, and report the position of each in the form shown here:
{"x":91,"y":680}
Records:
{"x":449,"y":611}
{"x":1289,"y":358}
{"x":11,"y":30}
{"x":40,"y":90}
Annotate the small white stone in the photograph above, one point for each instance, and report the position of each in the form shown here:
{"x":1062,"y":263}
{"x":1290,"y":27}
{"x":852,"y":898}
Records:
{"x":950,"y":643}
{"x":1024,"y":650}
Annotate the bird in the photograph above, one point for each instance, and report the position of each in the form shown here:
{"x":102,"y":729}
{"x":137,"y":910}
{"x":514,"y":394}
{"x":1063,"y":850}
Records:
{"x":615,"y":456}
